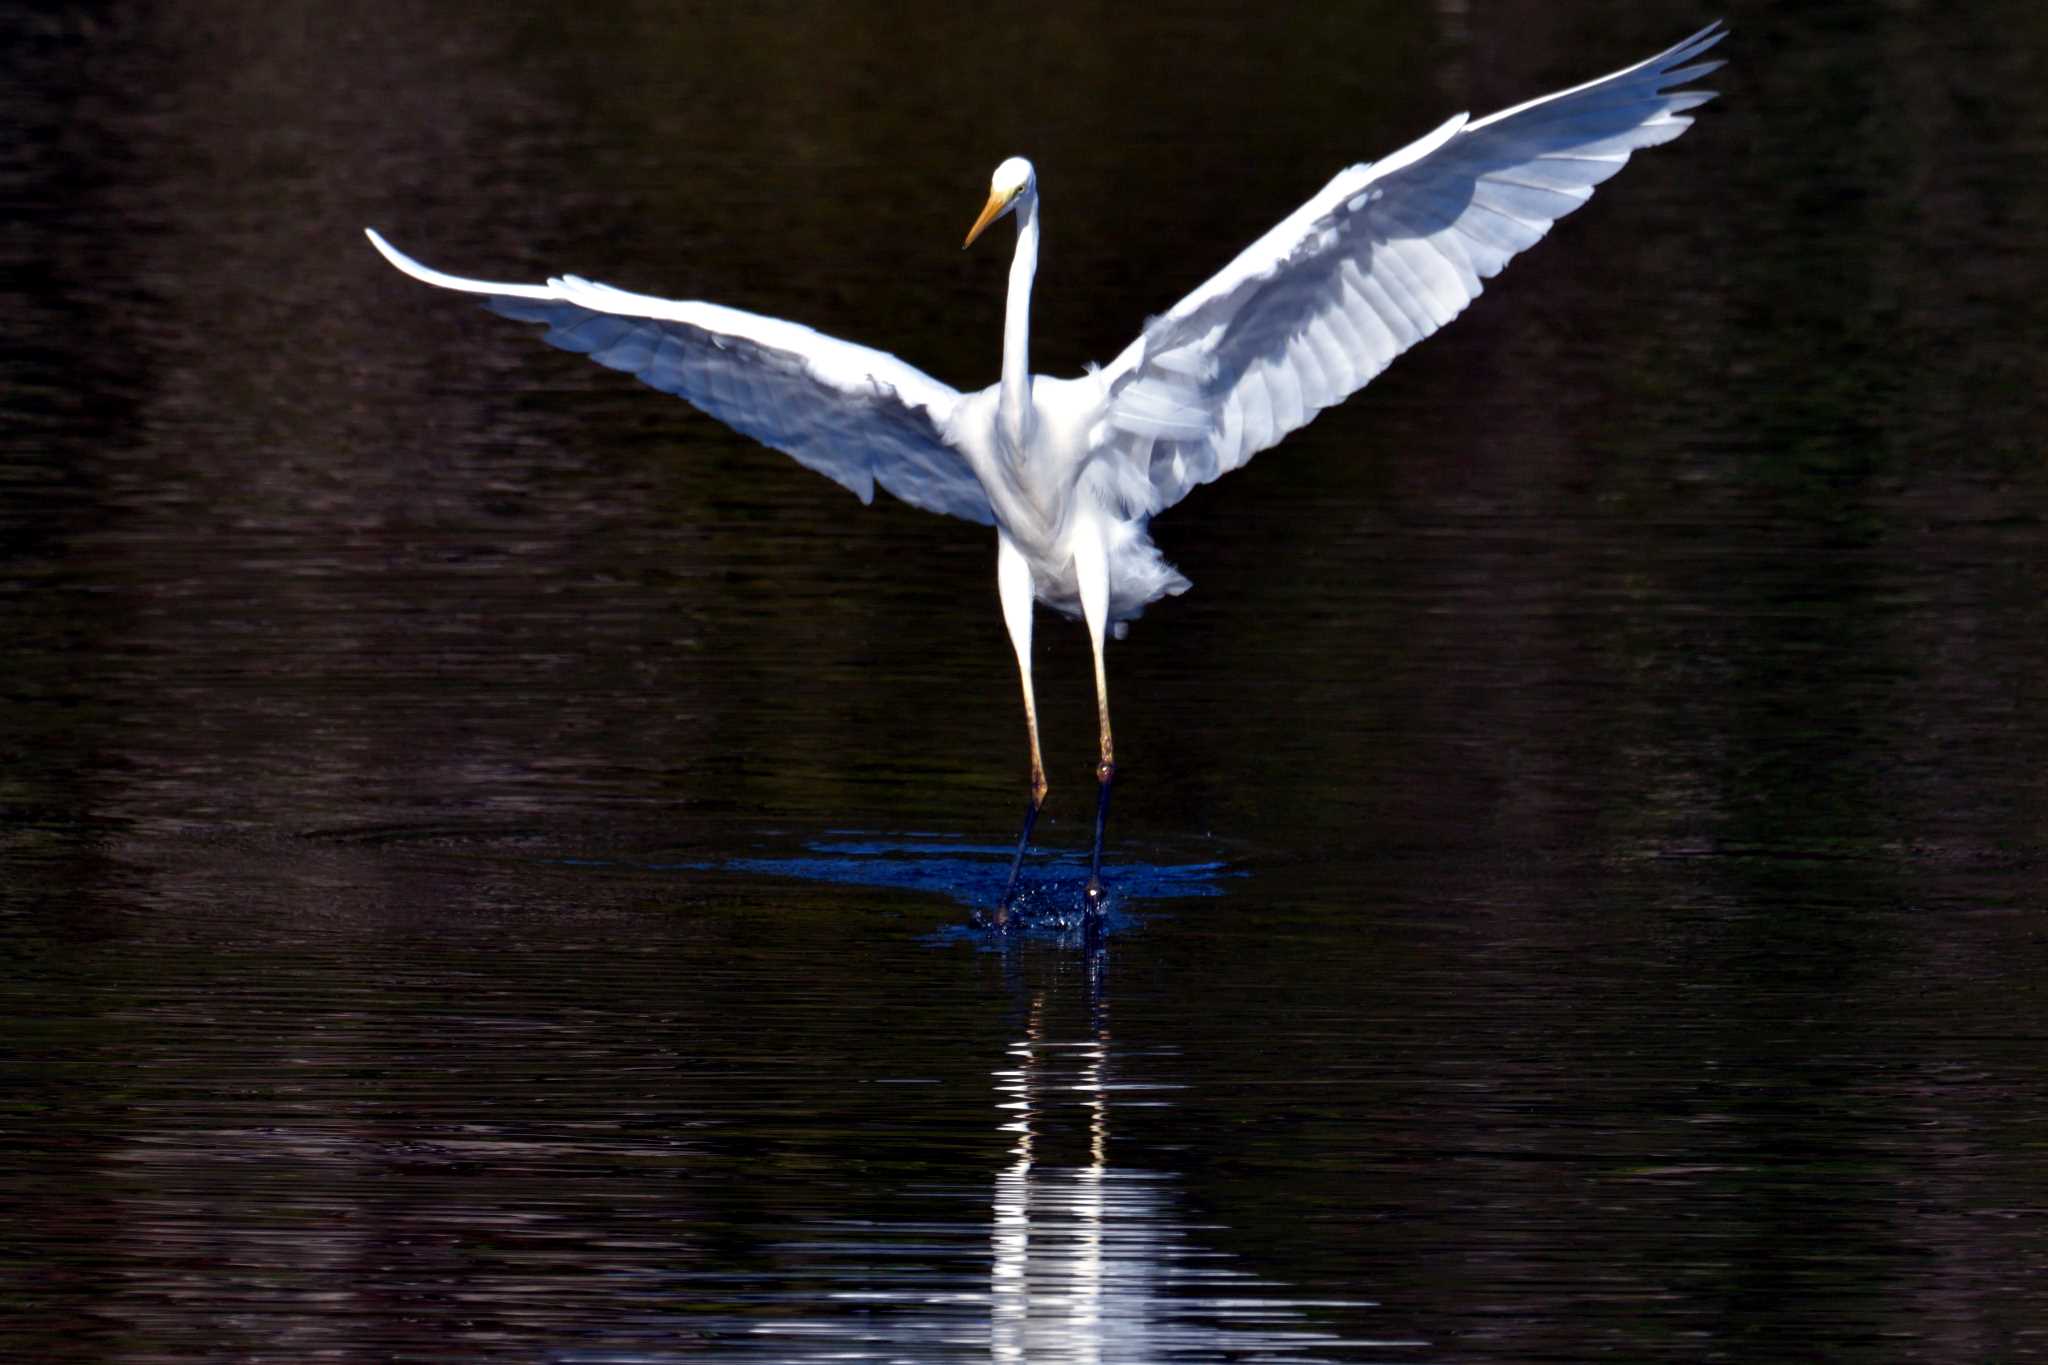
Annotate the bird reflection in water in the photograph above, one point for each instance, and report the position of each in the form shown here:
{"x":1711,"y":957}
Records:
{"x":1094,"y":1261}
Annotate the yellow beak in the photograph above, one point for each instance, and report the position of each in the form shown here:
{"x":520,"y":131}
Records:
{"x":990,"y":211}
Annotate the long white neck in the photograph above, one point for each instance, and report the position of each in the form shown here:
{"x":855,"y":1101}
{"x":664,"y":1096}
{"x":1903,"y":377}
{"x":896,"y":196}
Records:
{"x":1015,"y":407}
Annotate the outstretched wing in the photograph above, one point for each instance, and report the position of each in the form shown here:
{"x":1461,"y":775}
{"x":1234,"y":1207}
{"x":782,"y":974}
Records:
{"x":858,"y":416}
{"x":1382,"y":257}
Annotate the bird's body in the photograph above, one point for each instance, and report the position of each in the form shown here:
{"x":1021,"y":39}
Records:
{"x":1070,"y":471}
{"x":1046,"y":495}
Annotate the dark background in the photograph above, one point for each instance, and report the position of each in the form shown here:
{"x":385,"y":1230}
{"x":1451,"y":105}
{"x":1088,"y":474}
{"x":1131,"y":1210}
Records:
{"x":479,"y":838}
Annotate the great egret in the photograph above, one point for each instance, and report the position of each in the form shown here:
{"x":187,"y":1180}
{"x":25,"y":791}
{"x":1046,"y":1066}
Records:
{"x":1069,"y":471}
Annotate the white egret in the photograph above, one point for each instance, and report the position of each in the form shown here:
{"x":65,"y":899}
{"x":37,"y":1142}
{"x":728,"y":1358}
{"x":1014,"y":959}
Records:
{"x":1069,"y":471}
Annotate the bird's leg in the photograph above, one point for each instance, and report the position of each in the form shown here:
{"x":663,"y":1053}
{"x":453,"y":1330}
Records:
{"x":1013,"y":582}
{"x":1038,"y":789}
{"x":1105,"y":773}
{"x":1091,"y":569}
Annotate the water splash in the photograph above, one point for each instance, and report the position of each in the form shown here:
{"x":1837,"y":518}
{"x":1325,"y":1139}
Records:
{"x":1050,"y":901}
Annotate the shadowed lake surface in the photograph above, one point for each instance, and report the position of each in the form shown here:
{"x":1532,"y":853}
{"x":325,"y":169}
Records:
{"x":486,"y":851}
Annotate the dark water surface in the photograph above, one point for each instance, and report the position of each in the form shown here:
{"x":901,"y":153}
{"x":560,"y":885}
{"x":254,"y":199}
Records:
{"x":484,"y":848}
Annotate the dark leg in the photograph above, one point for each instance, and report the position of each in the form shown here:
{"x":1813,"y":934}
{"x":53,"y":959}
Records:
{"x":1105,"y":774}
{"x":1000,"y":918}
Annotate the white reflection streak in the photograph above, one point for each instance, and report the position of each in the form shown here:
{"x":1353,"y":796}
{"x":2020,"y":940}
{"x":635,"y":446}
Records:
{"x":1048,"y":1306}
{"x":1091,"y":1262}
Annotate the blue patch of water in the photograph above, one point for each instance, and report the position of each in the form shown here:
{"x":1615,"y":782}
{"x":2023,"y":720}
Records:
{"x":1050,"y":903}
{"x":1050,"y":899}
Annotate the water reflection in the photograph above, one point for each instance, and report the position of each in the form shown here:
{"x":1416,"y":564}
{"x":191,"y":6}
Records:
{"x":1094,"y":1261}
{"x":1073,"y":1254}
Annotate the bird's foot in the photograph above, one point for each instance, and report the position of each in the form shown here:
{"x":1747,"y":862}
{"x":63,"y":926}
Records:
{"x":996,"y":921}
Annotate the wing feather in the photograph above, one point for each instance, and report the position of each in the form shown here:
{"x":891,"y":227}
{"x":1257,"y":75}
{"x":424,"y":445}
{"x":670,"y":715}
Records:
{"x":858,"y":416}
{"x":1385,"y":255}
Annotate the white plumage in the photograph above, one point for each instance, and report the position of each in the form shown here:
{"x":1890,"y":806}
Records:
{"x":1070,"y":470}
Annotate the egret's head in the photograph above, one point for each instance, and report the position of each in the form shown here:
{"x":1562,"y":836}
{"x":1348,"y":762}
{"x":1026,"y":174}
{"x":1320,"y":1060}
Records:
{"x":1012,"y":180}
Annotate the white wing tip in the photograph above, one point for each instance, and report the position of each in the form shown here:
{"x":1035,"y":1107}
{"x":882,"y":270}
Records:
{"x":391,"y":253}
{"x":440,"y":280}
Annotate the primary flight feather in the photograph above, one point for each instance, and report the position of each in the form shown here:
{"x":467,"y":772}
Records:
{"x":1069,"y":471}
